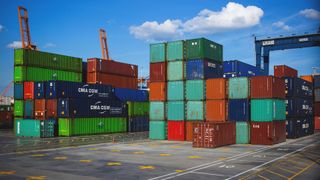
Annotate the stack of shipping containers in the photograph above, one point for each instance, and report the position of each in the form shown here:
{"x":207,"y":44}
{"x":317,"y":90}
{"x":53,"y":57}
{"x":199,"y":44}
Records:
{"x":316,"y":82}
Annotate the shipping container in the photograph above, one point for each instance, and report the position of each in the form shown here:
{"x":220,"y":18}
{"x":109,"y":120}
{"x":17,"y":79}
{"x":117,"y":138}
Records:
{"x":175,"y":50}
{"x":28,"y":90}
{"x":308,"y":78}
{"x":293,"y":128}
{"x":158,"y":130}
{"x":138,"y":109}
{"x":316,"y":81}
{"x":189,"y":130}
{"x":23,"y":73}
{"x":238,"y":88}
{"x":138,"y":124}
{"x":203,"y":69}
{"x":84,"y":72}
{"x":158,"y":91}
{"x":267,"y":133}
{"x":176,"y":110}
{"x":317,"y":122}
{"x":316,"y":107}
{"x":6,"y":107}
{"x":36,"y":128}
{"x":204,"y":49}
{"x":51,"y":108}
{"x":18,"y":108}
{"x":242,"y":132}
{"x":235,"y":68}
{"x":68,"y":107}
{"x":175,"y":90}
{"x":317,"y":95}
{"x":112,"y":67}
{"x":18,"y":91}
{"x":195,"y":110}
{"x":35,"y":58}
{"x":131,"y":94}
{"x":157,"y":110}
{"x":195,"y":90}
{"x":39,"y":90}
{"x":6,"y":119}
{"x":89,"y":126}
{"x":158,"y":72}
{"x":40,"y":109}
{"x":239,"y":109}
{"x":265,"y":110}
{"x":117,"y":81}
{"x":213,"y":134}
{"x":216,"y":88}
{"x":296,"y":87}
{"x":216,"y":110}
{"x":176,"y":71}
{"x":176,"y":130}
{"x":28,"y":109}
{"x":299,"y":107}
{"x":285,"y":71}
{"x":157,"y":52}
{"x":267,"y":87}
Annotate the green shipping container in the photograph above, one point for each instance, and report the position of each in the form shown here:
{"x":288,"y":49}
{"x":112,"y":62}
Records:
{"x":27,"y":57}
{"x":204,"y":49}
{"x":23,"y":73}
{"x":175,"y":90}
{"x":88,"y":126}
{"x":176,"y":110}
{"x":195,"y":90}
{"x":18,"y":108}
{"x":157,"y":52}
{"x":158,"y":130}
{"x":239,"y":88}
{"x":35,"y":128}
{"x":157,"y":110}
{"x":175,"y":71}
{"x":195,"y":110}
{"x":242,"y":133}
{"x":138,"y":108}
{"x":266,"y":110}
{"x":175,"y":50}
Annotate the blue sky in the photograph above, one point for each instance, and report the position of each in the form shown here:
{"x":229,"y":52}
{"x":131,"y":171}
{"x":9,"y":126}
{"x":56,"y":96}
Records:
{"x":71,"y":28}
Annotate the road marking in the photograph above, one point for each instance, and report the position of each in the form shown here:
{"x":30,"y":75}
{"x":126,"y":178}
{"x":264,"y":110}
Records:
{"x":210,"y":174}
{"x":304,"y":169}
{"x":60,"y":158}
{"x":35,"y":177}
{"x":92,"y":149}
{"x":138,"y":152}
{"x":7,"y":172}
{"x":194,"y":157}
{"x":179,"y":170}
{"x":287,"y":170}
{"x":146,"y":167}
{"x":114,"y":164}
{"x":275,"y":173}
{"x":165,"y":154}
{"x":175,"y":146}
{"x":222,"y":158}
{"x":132,"y":144}
{"x":85,"y":161}
{"x":38,"y":155}
{"x":226,"y":166}
{"x":115,"y":150}
{"x":265,"y":178}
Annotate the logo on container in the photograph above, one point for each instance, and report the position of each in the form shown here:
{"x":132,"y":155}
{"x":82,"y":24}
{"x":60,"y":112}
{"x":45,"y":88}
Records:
{"x":99,"y":107}
{"x":85,"y":89}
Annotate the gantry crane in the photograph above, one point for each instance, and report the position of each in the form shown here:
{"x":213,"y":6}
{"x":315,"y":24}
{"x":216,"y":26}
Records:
{"x":104,"y":45}
{"x":24,"y":29}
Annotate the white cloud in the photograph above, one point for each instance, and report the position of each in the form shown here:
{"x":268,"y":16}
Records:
{"x":281,"y":25}
{"x":152,"y":30}
{"x":233,"y":16}
{"x":1,"y":28}
{"x":15,"y":44}
{"x":310,"y":13}
{"x":49,"y":45}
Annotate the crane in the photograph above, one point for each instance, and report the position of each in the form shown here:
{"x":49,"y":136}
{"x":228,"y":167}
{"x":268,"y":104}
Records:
{"x":4,"y":92}
{"x":24,"y":29}
{"x":104,"y":45}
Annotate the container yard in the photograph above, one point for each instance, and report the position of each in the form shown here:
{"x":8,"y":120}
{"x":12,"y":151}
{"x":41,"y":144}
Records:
{"x":180,"y":99}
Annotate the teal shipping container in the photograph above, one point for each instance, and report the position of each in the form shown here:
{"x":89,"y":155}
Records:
{"x":175,"y":71}
{"x":266,"y":110}
{"x":35,"y":128}
{"x":239,"y":88}
{"x":175,"y":50}
{"x":176,"y":110}
{"x":195,"y":90}
{"x":28,"y":108}
{"x":175,"y":90}
{"x":242,"y":133}
{"x":204,"y":49}
{"x":195,"y":110}
{"x":158,"y":130}
{"x":157,"y":110}
{"x":157,"y":52}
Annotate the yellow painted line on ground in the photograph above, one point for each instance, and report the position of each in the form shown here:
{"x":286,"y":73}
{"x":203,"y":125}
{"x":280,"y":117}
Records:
{"x":194,"y":157}
{"x":222,"y":158}
{"x":295,"y":163}
{"x":287,"y":170}
{"x":60,"y":158}
{"x":175,"y":146}
{"x":115,"y":150}
{"x":275,"y":173}
{"x":19,"y":152}
{"x":85,"y":161}
{"x":114,"y":164}
{"x":179,"y":170}
{"x":146,"y":167}
{"x":132,"y":144}
{"x":138,"y":152}
{"x":304,"y":169}
{"x":92,"y":149}
{"x":35,"y":177}
{"x":165,"y":154}
{"x":7,"y":172}
{"x":153,"y":145}
{"x":38,"y":155}
{"x":260,"y":176}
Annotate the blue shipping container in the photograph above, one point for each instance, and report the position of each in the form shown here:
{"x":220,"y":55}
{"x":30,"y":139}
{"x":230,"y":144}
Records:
{"x":91,"y":108}
{"x":235,"y":68}
{"x":316,"y":81}
{"x":131,"y":94}
{"x":64,"y":89}
{"x":138,"y":124}
{"x":299,"y":127}
{"x":203,"y":69}
{"x":39,"y":90}
{"x":28,"y":108}
{"x":18,"y":90}
{"x":296,"y":87}
{"x":239,"y":110}
{"x":299,"y":107}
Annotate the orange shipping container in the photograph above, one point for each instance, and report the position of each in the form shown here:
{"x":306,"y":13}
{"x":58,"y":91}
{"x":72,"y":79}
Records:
{"x":216,"y":88}
{"x":216,"y":110}
{"x":189,"y":130}
{"x":308,"y":78}
{"x":158,"y":91}
{"x":317,"y":122}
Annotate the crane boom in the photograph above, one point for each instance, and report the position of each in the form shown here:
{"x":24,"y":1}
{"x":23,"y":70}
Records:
{"x":4,"y":92}
{"x":104,"y":44}
{"x":24,"y":28}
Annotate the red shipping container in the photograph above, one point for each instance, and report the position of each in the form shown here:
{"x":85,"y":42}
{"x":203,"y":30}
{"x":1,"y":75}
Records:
{"x":267,"y":87}
{"x":216,"y":110}
{"x":217,"y":88}
{"x":285,"y":71}
{"x":28,"y":90}
{"x":114,"y":80}
{"x":316,"y":108}
{"x":176,"y":130}
{"x":317,"y":122}
{"x":158,"y":72}
{"x":51,"y":108}
{"x":112,"y":67}
{"x":40,"y":109}
{"x":158,"y":91}
{"x":213,"y":134}
{"x":268,"y":133}
{"x":189,"y":130}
